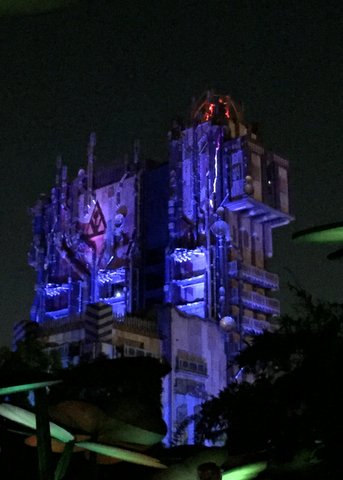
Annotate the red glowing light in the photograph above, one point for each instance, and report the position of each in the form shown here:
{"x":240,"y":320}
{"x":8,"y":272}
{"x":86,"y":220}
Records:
{"x":210,"y":112}
{"x":216,"y":108}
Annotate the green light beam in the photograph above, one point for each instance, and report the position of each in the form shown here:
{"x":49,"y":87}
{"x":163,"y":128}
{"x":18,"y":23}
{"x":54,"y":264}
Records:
{"x":331,"y":233}
{"x":246,"y":472}
{"x":122,"y":454}
{"x":26,"y":387}
{"x":24,"y":417}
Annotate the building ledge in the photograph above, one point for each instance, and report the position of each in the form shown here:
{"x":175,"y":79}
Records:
{"x":258,"y":211}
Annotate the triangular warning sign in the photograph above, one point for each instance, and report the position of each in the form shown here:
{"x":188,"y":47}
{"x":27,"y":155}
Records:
{"x":97,"y":223}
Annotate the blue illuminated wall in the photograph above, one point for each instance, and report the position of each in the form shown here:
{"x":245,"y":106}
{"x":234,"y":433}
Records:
{"x":188,"y":240}
{"x":227,"y":193}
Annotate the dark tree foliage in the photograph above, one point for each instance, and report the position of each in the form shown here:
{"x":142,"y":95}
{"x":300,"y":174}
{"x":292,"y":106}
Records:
{"x":29,"y":363}
{"x":295,"y":402}
{"x":128,"y":387}
{"x":126,"y":390}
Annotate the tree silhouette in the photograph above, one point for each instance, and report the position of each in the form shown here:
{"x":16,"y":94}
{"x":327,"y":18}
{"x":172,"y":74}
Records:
{"x":294,"y":404}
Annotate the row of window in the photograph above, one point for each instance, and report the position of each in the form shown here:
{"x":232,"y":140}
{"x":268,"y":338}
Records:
{"x":192,"y":366}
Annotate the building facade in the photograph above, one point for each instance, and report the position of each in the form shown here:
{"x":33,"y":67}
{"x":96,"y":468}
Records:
{"x":167,"y":261}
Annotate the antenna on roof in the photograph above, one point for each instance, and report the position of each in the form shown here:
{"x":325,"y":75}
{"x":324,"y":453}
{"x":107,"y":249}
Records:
{"x":90,"y":165}
{"x":136,"y":151}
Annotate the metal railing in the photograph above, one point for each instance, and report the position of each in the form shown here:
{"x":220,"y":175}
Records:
{"x":255,"y":326}
{"x":256,"y":301}
{"x":255,"y":275}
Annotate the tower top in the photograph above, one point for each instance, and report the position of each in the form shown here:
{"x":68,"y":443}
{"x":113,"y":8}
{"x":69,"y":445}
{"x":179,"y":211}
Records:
{"x":217,"y":108}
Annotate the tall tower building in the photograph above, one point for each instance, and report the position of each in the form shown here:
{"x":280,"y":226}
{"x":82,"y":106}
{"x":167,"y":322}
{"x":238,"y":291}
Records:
{"x":190,"y":238}
{"x":227,"y":193}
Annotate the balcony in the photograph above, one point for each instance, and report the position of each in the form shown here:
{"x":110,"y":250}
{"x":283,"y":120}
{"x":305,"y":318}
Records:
{"x":137,"y":325}
{"x":256,"y":301}
{"x":258,"y":211}
{"x":254,"y":275}
{"x":54,"y":290}
{"x":187,"y":386}
{"x":130,"y":351}
{"x":190,"y":365}
{"x":196,"y":309}
{"x":188,"y":290}
{"x":112,"y":277}
{"x":187,"y":263}
{"x":254,"y":326}
{"x":57,"y":314}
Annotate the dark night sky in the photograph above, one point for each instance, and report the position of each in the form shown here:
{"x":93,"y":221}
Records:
{"x":124,"y":69}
